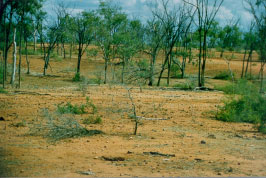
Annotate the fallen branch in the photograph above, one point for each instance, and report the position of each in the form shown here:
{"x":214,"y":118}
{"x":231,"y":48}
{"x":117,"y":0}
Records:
{"x":152,"y":119}
{"x":30,"y":93}
{"x":158,"y":154}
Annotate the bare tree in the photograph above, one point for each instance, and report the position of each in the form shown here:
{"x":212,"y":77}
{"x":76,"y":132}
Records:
{"x":175,"y":22}
{"x":206,"y":12}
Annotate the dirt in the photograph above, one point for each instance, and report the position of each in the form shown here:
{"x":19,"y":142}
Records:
{"x":187,"y":141}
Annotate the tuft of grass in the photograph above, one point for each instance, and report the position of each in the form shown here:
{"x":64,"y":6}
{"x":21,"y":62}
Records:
{"x":19,"y":124}
{"x":92,"y":120}
{"x":225,"y":75}
{"x":247,"y":106}
{"x":56,"y":127}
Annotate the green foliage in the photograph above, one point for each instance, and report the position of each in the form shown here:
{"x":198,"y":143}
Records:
{"x":56,"y":128}
{"x":92,"y":120}
{"x":31,"y":52}
{"x":92,"y":52}
{"x":248,"y":106}
{"x":224,"y":75}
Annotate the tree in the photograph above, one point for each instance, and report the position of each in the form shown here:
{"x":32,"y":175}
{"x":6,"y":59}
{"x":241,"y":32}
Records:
{"x":111,"y":21}
{"x":128,"y":42}
{"x":52,"y":34}
{"x":152,"y":43}
{"x":83,"y":26}
{"x":258,"y":10}
{"x":251,"y":43}
{"x":206,"y":12}
{"x":230,"y":37}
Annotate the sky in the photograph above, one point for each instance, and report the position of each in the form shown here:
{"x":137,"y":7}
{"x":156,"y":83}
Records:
{"x":231,"y":9}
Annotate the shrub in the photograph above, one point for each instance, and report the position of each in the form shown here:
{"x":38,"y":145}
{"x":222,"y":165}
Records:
{"x":73,"y":109}
{"x":56,"y":128}
{"x":248,"y":106}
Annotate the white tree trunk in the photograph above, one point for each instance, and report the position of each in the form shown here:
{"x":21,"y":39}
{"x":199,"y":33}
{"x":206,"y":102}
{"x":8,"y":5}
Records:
{"x":34,"y":35}
{"x":14,"y":58}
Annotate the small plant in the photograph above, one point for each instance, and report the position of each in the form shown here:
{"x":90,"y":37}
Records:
{"x":19,"y":124}
{"x":73,"y":109}
{"x":92,"y":120}
{"x":77,"y":77}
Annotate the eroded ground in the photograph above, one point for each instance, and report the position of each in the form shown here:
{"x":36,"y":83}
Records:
{"x":201,"y":146}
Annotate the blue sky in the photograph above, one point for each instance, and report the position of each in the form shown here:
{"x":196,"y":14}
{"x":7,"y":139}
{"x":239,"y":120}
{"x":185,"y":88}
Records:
{"x":140,"y":9}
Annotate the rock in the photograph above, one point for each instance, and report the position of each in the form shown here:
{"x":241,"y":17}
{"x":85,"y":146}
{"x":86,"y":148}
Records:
{"x":203,"y":142}
{"x":219,"y":174}
{"x":129,"y":152}
{"x":2,"y":119}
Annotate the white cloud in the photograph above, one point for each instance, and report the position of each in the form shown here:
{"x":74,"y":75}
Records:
{"x":224,"y":14}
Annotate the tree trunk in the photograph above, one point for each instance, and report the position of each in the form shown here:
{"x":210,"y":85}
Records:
{"x":27,"y":60}
{"x":222,"y":53}
{"x":64,"y":50}
{"x":162,"y":70}
{"x":248,"y":61}
{"x":105,"y":70}
{"x":79,"y":60}
{"x":204,"y":59}
{"x":70,"y":52}
{"x":7,"y":41}
{"x":123,"y":71}
{"x":169,"y":70}
{"x":20,"y":46}
{"x":14,"y":59}
{"x":152,"y":65}
{"x":200,"y":53}
{"x":34,"y":36}
{"x":261,"y":77}
{"x":243,"y":64}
